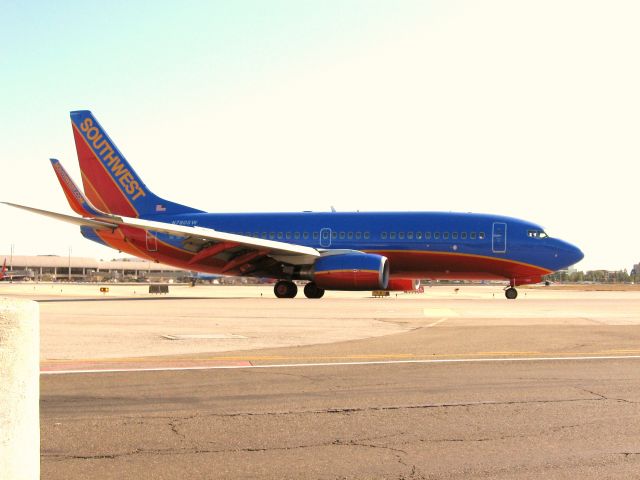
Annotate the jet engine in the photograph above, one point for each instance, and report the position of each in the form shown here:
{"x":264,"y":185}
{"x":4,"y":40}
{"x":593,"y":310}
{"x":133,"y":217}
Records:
{"x":351,"y":271}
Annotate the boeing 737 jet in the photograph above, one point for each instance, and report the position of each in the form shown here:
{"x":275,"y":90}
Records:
{"x":11,"y":274}
{"x":331,"y":251}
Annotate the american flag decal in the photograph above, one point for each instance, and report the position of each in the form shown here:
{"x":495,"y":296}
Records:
{"x":160,"y":208}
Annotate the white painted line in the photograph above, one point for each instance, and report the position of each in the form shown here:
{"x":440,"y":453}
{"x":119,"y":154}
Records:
{"x":338,"y":364}
{"x":439,"y":312}
{"x":436,"y":323}
{"x":204,"y":336}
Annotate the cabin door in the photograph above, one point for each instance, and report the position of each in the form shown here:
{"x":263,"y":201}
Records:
{"x":325,"y":237}
{"x":152,"y":242}
{"x":499,"y":237}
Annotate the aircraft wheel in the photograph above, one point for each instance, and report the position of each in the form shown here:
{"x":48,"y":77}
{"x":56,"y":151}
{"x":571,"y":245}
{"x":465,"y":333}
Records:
{"x":311,"y":290}
{"x":285,"y":289}
{"x":511,"y":293}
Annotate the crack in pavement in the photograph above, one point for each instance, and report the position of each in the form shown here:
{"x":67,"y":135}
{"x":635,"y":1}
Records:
{"x":188,"y":451}
{"x":604,"y":397}
{"x":173,"y":424}
{"x":349,"y":410}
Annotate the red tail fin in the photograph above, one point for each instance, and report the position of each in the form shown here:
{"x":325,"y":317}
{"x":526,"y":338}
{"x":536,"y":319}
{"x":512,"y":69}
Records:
{"x":110,"y":182}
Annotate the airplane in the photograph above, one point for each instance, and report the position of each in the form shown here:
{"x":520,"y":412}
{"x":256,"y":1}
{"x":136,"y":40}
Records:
{"x":355,"y":251}
{"x":11,"y":274}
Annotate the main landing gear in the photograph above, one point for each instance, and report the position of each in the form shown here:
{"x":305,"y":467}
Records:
{"x":511,"y":293}
{"x":288,"y":289}
{"x":285,"y":289}
{"x":311,"y":290}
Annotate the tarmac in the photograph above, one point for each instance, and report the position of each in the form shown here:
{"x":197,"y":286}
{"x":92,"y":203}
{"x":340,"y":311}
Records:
{"x":229,"y":382}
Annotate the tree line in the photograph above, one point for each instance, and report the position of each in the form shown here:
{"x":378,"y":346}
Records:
{"x":596,"y":276}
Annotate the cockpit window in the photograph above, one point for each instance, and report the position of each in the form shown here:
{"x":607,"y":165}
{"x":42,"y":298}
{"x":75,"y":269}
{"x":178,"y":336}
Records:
{"x":537,"y":234}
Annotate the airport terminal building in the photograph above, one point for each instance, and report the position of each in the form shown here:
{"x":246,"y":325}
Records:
{"x":83,"y":269}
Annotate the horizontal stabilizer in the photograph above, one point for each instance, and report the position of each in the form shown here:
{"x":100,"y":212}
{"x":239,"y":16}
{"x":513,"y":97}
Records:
{"x":85,"y":222}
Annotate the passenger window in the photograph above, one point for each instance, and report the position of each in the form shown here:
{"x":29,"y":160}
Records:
{"x":473,"y":235}
{"x":315,"y":235}
{"x":410,"y":235}
{"x":445,"y":236}
{"x":401,"y":235}
{"x":481,"y":236}
{"x":454,"y":235}
{"x":392,"y":236}
{"x":272,"y":235}
{"x":383,"y":235}
{"x":350,"y":235}
{"x":341,"y":235}
{"x":264,"y":234}
{"x":358,"y":235}
{"x":255,"y":234}
{"x":418,"y":235}
{"x":279,"y":235}
{"x":305,"y":235}
{"x":367,"y":235}
{"x":334,"y":235}
{"x":463,"y":236}
{"x":288,"y":235}
{"x":296,"y":235}
{"x":427,"y":235}
{"x":436,"y":235}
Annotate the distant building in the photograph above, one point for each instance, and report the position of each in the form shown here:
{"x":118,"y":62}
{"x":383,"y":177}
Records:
{"x":53,"y":267}
{"x":635,"y":270}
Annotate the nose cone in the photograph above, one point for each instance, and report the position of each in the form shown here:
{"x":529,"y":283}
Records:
{"x":569,"y":254}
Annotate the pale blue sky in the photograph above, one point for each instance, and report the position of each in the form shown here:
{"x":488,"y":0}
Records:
{"x":528,"y":109}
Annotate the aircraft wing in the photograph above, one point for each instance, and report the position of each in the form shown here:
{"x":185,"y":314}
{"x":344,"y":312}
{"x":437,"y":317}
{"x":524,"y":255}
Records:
{"x":197,"y":236}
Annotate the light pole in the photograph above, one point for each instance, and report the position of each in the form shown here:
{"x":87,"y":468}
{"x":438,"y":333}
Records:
{"x":69,"y":264}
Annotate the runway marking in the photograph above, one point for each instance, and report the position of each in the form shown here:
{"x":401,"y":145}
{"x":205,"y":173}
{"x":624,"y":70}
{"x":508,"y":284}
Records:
{"x":204,"y":336}
{"x":440,"y":312}
{"x":394,"y":356}
{"x":436,"y":323}
{"x":337,"y":364}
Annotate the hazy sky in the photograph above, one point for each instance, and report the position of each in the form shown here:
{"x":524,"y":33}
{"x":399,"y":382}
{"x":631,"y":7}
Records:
{"x":529,"y":109}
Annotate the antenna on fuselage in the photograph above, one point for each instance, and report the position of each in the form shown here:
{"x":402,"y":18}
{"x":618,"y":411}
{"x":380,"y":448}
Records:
{"x":333,"y":209}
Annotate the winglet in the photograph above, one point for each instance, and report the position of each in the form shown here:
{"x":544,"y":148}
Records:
{"x":78,"y":202}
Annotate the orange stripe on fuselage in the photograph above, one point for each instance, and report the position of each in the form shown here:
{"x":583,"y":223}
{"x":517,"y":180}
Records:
{"x":117,"y":239}
{"x":391,"y":253}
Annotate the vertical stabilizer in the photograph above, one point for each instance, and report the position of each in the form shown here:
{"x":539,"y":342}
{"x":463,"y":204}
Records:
{"x":109,"y":181}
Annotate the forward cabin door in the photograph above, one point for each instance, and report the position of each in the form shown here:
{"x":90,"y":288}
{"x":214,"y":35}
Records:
{"x":499,"y":237}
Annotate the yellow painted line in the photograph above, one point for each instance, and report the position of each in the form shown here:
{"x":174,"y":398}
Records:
{"x":392,"y":356}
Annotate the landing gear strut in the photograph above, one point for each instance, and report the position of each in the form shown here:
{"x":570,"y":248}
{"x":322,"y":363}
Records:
{"x":511,"y":293}
{"x":311,"y":290}
{"x":285,"y":289}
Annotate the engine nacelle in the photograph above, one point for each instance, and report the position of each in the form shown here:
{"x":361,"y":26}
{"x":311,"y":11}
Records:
{"x":351,"y":271}
{"x":403,"y":285}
